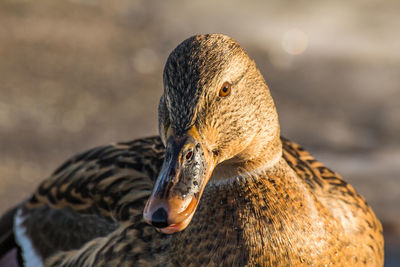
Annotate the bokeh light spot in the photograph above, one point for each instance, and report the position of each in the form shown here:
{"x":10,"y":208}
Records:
{"x":295,"y":42}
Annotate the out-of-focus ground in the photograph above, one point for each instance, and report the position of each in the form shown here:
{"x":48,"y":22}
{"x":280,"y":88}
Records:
{"x":77,"y":74}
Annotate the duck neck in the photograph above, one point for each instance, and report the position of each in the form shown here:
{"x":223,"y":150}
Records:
{"x":261,"y":154}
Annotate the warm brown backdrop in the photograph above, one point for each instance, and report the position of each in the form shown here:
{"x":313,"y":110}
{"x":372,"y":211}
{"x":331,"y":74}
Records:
{"x":76,"y":74}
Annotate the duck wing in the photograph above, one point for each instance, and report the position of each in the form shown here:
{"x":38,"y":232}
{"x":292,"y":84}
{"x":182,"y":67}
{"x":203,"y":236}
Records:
{"x":348,"y":207}
{"x":88,"y":197}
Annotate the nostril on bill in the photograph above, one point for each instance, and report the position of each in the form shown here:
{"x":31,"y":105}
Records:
{"x":189,"y":155}
{"x":160,"y":218}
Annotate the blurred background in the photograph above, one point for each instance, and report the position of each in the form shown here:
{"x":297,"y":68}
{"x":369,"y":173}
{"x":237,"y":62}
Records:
{"x":81,"y":73}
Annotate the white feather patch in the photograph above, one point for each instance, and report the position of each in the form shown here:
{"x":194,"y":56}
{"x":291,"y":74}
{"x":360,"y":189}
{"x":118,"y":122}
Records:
{"x":29,"y":254}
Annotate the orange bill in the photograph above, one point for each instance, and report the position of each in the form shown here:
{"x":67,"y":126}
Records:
{"x":185,"y":172}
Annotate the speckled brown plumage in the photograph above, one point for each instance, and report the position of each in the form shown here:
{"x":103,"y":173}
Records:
{"x":251,"y":221}
{"x":267,"y":203}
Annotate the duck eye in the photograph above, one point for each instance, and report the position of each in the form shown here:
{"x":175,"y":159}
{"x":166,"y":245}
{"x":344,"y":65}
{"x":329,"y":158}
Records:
{"x":225,"y":89}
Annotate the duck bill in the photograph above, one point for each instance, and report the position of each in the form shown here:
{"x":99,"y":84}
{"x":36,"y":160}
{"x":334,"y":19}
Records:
{"x":185,"y":172}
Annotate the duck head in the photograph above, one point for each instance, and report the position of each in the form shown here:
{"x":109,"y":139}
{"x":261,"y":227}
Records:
{"x":216,"y":112}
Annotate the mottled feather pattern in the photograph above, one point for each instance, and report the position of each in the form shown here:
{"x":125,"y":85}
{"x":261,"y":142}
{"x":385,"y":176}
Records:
{"x":205,"y":241}
{"x":92,"y":193}
{"x":107,"y":180}
{"x":341,"y":198}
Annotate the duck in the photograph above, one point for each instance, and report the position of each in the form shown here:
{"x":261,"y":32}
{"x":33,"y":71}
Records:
{"x":219,"y":186}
